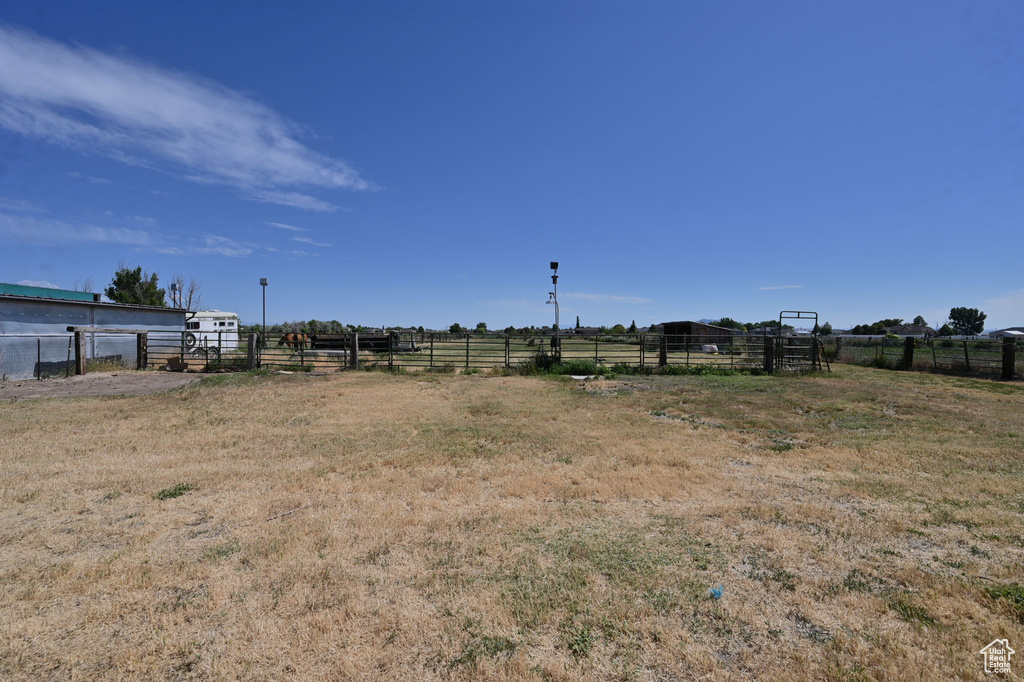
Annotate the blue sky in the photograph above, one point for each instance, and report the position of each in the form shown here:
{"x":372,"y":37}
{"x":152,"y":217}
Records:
{"x":421,"y":163}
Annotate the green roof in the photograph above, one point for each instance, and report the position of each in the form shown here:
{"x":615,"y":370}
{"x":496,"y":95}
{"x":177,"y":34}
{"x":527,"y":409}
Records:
{"x":44,"y":292}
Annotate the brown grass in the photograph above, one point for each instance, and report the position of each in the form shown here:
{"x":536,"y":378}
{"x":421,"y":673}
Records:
{"x":500,"y":528}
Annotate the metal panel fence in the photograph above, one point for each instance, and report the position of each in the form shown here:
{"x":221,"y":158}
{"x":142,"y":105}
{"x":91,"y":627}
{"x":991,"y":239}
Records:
{"x":969,"y":356}
{"x":447,"y":351}
{"x":40,"y":356}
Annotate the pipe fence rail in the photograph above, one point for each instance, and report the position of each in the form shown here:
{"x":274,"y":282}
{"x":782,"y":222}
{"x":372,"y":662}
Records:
{"x":24,"y":356}
{"x":450,"y":352}
{"x":987,"y":357}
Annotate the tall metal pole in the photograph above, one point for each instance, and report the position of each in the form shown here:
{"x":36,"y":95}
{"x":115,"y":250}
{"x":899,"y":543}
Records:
{"x":554,"y":299}
{"x":263,"y":335}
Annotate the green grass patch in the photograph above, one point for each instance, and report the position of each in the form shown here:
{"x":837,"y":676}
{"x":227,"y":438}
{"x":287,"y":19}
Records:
{"x":911,"y":613}
{"x":1012,"y":595}
{"x":175,"y":491}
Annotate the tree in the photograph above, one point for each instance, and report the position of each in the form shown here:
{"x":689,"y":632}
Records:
{"x":577,"y":321}
{"x":618,"y":329}
{"x":920,"y":321}
{"x":945,"y":330}
{"x":816,"y":330}
{"x":729,"y":323}
{"x":83,"y":286}
{"x":826,"y":329}
{"x":189,"y":297}
{"x":481,"y":327}
{"x":967,"y":321}
{"x":420,"y":329}
{"x":135,"y":287}
{"x":632,"y":327}
{"x":456,"y":328}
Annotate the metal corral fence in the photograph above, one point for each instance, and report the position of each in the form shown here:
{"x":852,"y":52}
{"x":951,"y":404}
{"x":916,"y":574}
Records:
{"x":40,"y":356}
{"x":446,"y":351}
{"x":23,"y":357}
{"x":969,"y":356}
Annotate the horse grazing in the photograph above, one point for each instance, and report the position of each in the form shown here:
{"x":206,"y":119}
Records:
{"x":294,"y":340}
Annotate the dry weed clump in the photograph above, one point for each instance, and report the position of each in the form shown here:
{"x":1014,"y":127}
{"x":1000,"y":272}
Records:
{"x":367,"y":526}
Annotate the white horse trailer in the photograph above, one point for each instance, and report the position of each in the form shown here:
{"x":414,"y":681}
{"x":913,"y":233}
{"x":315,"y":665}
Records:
{"x":212,"y":329}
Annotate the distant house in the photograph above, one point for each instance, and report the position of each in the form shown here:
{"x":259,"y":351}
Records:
{"x":695,"y":333}
{"x":590,"y":331}
{"x":1009,"y":332}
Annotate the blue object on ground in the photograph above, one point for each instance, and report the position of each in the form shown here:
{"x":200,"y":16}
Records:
{"x":716,"y":592}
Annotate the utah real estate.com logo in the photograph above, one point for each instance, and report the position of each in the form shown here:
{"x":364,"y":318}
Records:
{"x":997,"y":656}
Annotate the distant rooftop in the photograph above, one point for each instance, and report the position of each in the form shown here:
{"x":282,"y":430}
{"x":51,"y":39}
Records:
{"x":45,"y":292}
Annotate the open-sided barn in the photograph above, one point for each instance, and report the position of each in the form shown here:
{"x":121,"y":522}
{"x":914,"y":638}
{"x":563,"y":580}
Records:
{"x":679,"y":334}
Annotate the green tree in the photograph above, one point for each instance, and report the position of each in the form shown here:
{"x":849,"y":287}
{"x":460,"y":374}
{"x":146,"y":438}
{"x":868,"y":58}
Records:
{"x":135,"y":287}
{"x":481,"y":327}
{"x":456,"y":328}
{"x":826,"y":329}
{"x":618,"y":329}
{"x":729,"y":323}
{"x":945,"y":330}
{"x":920,"y":321}
{"x":816,"y":330}
{"x":632,"y":327}
{"x":420,"y":329}
{"x":577,"y":321}
{"x":967,"y":321}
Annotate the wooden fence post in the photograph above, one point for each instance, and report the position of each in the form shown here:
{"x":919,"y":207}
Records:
{"x":508,"y":351}
{"x":663,"y":350}
{"x":967,"y":356}
{"x":79,"y":352}
{"x":141,"y":351}
{"x":1009,"y":358}
{"x":467,"y":351}
{"x":908,"y":352}
{"x":353,"y":348}
{"x":250,"y":351}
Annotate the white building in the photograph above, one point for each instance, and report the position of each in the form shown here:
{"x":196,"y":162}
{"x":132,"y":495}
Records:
{"x":212,"y":329}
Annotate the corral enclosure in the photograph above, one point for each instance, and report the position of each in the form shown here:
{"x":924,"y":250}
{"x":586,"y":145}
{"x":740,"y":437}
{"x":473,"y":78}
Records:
{"x":362,"y":525}
{"x":485,"y":351}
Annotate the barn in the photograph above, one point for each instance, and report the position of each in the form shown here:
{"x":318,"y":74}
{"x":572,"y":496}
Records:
{"x":35,"y":343}
{"x":696,"y":333}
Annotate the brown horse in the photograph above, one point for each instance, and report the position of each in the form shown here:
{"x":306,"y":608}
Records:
{"x":294,"y":340}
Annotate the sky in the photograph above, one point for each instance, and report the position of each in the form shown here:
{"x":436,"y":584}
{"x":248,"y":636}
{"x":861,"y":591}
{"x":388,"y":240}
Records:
{"x":410,"y":163}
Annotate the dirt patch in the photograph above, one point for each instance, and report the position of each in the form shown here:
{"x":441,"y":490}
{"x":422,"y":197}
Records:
{"x":96,"y":383}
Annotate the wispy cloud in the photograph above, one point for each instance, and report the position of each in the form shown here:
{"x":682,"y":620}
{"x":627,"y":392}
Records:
{"x":144,"y":219}
{"x":37,"y":283}
{"x":784,"y":286}
{"x":26,"y":230}
{"x":139,"y":113}
{"x":293,"y":199}
{"x":286,"y":226}
{"x":88,"y":178}
{"x":18,"y":206}
{"x":307,"y":240}
{"x":607,"y":298}
{"x":210,"y":245}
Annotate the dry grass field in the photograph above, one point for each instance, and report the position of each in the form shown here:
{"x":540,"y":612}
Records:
{"x":863,"y":525}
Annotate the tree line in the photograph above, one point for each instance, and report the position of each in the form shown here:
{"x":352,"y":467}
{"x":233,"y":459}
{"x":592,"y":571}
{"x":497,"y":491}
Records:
{"x":135,"y":286}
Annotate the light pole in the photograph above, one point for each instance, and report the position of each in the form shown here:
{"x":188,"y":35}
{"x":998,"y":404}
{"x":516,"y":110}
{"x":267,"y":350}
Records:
{"x":263,"y":336}
{"x":553,"y":299}
{"x":174,"y":299}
